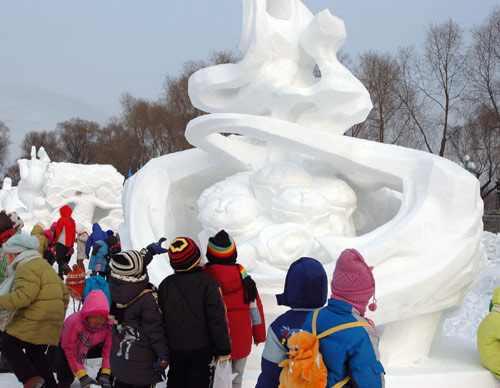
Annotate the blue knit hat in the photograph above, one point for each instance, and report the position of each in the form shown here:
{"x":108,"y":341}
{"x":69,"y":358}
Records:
{"x":20,"y":243}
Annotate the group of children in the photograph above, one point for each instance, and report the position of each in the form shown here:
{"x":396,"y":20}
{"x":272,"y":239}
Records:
{"x":198,"y":313}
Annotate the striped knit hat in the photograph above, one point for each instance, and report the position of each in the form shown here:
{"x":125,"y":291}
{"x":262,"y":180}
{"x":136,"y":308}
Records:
{"x":184,"y":254}
{"x":128,"y":263}
{"x":221,"y":249}
{"x":76,"y":281}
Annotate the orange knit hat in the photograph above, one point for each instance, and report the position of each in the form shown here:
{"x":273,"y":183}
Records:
{"x":76,"y":281}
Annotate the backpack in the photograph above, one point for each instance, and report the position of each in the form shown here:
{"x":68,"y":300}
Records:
{"x":304,"y":367}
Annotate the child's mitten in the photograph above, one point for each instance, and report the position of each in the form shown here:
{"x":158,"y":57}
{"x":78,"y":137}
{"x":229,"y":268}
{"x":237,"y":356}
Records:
{"x":161,"y":364}
{"x":156,"y":248}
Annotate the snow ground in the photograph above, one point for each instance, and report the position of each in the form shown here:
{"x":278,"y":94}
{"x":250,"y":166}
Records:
{"x":459,"y":338}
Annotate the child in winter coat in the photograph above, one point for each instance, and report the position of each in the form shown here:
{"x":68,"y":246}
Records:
{"x":39,"y":232}
{"x":79,"y":286}
{"x":139,"y":352}
{"x":350,"y":354}
{"x":50,"y":252}
{"x":64,"y":238}
{"x":194,"y":318}
{"x":96,"y":237}
{"x":101,"y":255}
{"x":488,"y":337}
{"x":81,"y":241}
{"x":40,"y":299}
{"x":306,"y":286}
{"x":75,"y":281}
{"x":6,"y":231}
{"x":240,"y":297}
{"x":86,"y":334}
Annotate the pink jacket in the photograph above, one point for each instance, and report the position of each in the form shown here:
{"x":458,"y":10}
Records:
{"x":96,"y":303}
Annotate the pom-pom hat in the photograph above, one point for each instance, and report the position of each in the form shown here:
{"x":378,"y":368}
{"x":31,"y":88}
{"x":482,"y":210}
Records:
{"x":184,"y":254}
{"x":353,"y":281}
{"x":221,"y":249}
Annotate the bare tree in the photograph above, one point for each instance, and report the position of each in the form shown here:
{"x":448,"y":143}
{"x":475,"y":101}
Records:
{"x":434,"y":84}
{"x":478,"y":138}
{"x":388,"y":121}
{"x":46,"y":139}
{"x":78,"y":140}
{"x":484,"y":66}
{"x":4,"y":144}
{"x":14,"y":174}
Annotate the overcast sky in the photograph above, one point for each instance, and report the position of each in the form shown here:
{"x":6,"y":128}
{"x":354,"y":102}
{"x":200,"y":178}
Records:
{"x":61,"y":58}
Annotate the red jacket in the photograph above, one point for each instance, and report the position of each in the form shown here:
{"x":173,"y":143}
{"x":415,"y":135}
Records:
{"x":68,"y":224}
{"x":243,"y":324}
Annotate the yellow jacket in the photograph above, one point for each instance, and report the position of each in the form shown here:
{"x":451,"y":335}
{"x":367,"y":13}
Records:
{"x":488,"y":337}
{"x":40,"y":298}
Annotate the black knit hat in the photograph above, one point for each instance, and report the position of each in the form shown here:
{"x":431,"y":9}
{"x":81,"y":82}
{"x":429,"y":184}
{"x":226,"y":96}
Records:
{"x":221,"y":249}
{"x":128,"y":263}
{"x":184,"y":254}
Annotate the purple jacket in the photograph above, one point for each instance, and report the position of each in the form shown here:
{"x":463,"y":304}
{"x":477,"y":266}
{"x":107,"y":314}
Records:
{"x":96,"y":303}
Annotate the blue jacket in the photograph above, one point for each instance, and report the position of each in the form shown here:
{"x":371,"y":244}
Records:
{"x":354,"y":349}
{"x":96,"y":237}
{"x":99,"y":257}
{"x":306,"y":286}
{"x":96,"y":283}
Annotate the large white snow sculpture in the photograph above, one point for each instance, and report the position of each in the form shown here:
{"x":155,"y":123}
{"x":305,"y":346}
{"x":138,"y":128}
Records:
{"x":92,"y":191}
{"x":286,"y":183}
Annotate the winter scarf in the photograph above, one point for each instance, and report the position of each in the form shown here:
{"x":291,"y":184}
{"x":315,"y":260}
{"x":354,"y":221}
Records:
{"x":85,"y":339}
{"x":8,"y":285}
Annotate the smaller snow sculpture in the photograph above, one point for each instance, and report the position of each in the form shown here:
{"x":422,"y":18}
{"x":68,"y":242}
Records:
{"x":92,"y":191}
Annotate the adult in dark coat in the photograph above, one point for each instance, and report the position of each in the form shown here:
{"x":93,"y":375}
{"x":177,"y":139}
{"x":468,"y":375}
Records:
{"x":194,"y":316}
{"x":139,"y":352}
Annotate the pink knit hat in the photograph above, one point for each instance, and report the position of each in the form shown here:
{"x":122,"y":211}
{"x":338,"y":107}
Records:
{"x":353,"y":281}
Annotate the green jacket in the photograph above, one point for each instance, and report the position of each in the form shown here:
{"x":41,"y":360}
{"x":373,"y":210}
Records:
{"x":488,"y":337}
{"x":40,"y":298}
{"x":38,"y":232}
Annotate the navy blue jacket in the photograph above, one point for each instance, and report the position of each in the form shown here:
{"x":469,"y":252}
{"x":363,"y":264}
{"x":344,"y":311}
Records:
{"x":352,"y":351}
{"x":306,"y":286}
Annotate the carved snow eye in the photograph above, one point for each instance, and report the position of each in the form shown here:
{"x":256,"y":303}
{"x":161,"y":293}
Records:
{"x":296,"y":347}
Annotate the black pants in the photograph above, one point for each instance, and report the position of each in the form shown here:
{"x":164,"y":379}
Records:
{"x":62,"y":258}
{"x":27,"y":360}
{"x":190,"y":368}
{"x":59,"y":362}
{"x":121,"y":384}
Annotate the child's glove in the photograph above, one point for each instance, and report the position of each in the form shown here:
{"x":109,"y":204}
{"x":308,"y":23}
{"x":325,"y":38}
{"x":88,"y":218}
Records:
{"x":156,"y":248}
{"x":103,"y":378}
{"x":161,"y":364}
{"x":86,"y":381}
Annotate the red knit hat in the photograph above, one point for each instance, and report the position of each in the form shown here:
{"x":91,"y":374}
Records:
{"x":76,"y":281}
{"x":353,"y":281}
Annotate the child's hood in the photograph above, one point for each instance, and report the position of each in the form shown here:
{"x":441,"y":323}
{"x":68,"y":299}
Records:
{"x":96,"y":228}
{"x":37,"y":230}
{"x":306,"y":285}
{"x":65,"y":211}
{"x":96,"y":303}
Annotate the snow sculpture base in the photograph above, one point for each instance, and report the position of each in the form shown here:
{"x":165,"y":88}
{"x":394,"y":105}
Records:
{"x":453,"y":363}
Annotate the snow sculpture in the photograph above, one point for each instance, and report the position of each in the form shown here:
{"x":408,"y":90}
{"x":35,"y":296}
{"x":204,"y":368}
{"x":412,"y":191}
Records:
{"x":286,"y":183}
{"x":92,"y":191}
